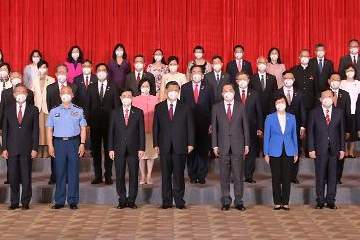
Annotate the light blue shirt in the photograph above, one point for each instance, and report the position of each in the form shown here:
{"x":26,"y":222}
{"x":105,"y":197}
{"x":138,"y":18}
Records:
{"x":66,"y":122}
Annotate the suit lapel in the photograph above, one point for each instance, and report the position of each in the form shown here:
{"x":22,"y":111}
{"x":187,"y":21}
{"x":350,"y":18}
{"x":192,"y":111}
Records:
{"x":235,"y":111}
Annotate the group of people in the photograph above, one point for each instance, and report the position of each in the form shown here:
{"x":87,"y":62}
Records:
{"x":137,"y":116}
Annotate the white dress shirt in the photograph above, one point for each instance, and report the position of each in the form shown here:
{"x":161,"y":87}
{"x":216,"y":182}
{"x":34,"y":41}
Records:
{"x":352,"y":57}
{"x":141,"y":73}
{"x":263,"y":74}
{"x":104,"y":87}
{"x":62,"y":85}
{"x":239,"y":62}
{"x":330,"y":111}
{"x":124,"y":110}
{"x":227,"y":106}
{"x":286,"y":91}
{"x":282,"y":121}
{"x":241,"y":90}
{"x":322,"y":61}
{"x":216,"y":75}
{"x":174,"y":105}
{"x":23,"y":106}
{"x":198,"y":85}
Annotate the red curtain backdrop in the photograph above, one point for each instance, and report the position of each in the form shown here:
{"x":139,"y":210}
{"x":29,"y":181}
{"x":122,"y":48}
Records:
{"x":175,"y":26}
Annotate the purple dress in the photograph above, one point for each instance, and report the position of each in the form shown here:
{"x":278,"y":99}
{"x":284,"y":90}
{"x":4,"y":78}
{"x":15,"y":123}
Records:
{"x":118,"y":72}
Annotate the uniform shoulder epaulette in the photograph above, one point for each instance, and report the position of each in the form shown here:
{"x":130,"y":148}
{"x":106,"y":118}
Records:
{"x":54,"y":107}
{"x":77,"y":106}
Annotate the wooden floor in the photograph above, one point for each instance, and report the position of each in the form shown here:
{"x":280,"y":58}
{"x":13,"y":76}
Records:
{"x":197,"y":222}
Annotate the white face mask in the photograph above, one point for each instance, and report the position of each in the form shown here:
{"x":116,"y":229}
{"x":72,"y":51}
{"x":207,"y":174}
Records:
{"x":3,"y":74}
{"x":101,"y":75}
{"x":15,"y":81}
{"x":350,"y":74}
{"x":335,"y":85}
{"x":354,"y":50}
{"x":145,"y":91}
{"x":42,"y":71}
{"x":158,"y":58}
{"x":173,"y":68}
{"x":327,"y":102}
{"x":119,"y":53}
{"x":228,"y":96}
{"x":75,"y":55}
{"x":21,"y":98}
{"x":274,"y":57}
{"x":288,"y":82}
{"x":35,"y":60}
{"x":139,"y":67}
{"x":196,"y":77}
{"x":66,"y":98}
{"x":280,"y":107}
{"x":217,"y":67}
{"x":320,"y":54}
{"x":198,"y":55}
{"x":243,"y":84}
{"x":61,"y":78}
{"x":239,"y":55}
{"x":86,"y":70}
{"x":304,"y":60}
{"x":262,"y":67}
{"x":173,"y":95}
{"x":126,"y":102}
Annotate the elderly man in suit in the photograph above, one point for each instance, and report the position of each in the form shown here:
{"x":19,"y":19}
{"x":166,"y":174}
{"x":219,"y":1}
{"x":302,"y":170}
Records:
{"x":352,"y":57}
{"x":230,"y":137}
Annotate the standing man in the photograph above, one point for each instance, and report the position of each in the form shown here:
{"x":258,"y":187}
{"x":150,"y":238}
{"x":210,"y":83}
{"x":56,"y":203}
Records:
{"x":102,"y":98}
{"x":326,"y":143}
{"x":199,"y":96}
{"x":66,"y":134}
{"x":126,"y":147}
{"x":21,"y":121}
{"x":238,"y":64}
{"x":174,"y":138}
{"x":82,"y":82}
{"x":352,"y":57}
{"x":230,"y":141}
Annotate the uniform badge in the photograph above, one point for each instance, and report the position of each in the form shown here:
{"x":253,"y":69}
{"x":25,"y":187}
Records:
{"x":57,"y":114}
{"x":74,"y":113}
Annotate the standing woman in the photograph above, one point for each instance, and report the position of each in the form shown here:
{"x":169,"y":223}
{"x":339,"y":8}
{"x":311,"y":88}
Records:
{"x":119,"y":66}
{"x":5,"y":71}
{"x":73,"y":62}
{"x":146,"y":101}
{"x":199,"y":60}
{"x":31,"y":71}
{"x":352,"y":86}
{"x":39,"y":86}
{"x":158,"y":68}
{"x":275,"y":66}
{"x":280,"y":150}
{"x":1,"y":56}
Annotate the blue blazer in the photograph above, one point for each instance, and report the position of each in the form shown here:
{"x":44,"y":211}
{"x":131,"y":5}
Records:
{"x":274,"y":138}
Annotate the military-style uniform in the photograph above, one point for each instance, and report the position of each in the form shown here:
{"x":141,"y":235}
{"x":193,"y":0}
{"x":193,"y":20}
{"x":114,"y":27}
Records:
{"x":66,"y":124}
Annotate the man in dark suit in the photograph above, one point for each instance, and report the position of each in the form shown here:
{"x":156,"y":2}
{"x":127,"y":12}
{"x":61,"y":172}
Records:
{"x":103,"y":97}
{"x":199,"y":96}
{"x":264,"y":83}
{"x":21,"y":121}
{"x":326,"y":143}
{"x":53,"y":100}
{"x":174,"y":138}
{"x":342,"y":101}
{"x":132,"y":79}
{"x":230,"y":139}
{"x":217,"y":78}
{"x":252,"y":102}
{"x":295,"y":100}
{"x":126,"y":146}
{"x":352,"y":57}
{"x":321,"y":67}
{"x":238,"y":64}
{"x":82,"y":82}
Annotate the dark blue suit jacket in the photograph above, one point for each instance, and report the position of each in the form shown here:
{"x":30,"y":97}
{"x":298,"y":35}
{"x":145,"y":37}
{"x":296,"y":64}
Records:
{"x":232,"y":69}
{"x":81,"y":96}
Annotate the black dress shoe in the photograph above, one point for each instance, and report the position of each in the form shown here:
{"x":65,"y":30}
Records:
{"x":193,"y":181}
{"x":295,"y":180}
{"x":201,"y":181}
{"x":6,"y":182}
{"x":240,"y":207}
{"x":13,"y":207}
{"x":319,"y":206}
{"x":278,"y":208}
{"x":57,"y":206}
{"x":165,"y":206}
{"x":286,"y":208}
{"x":225,"y":207}
{"x":108,"y":181}
{"x":331,"y":206}
{"x":51,"y":182}
{"x":73,"y":206}
{"x":121,"y":206}
{"x":339,"y":182}
{"x":181,"y":207}
{"x":132,"y":205}
{"x":25,"y":207}
{"x":97,"y":180}
{"x":250,"y":180}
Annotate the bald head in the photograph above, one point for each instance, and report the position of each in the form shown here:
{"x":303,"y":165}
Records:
{"x":261,"y":64}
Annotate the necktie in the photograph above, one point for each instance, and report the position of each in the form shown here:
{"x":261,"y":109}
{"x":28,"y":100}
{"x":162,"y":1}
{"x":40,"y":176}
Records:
{"x":239,"y":66}
{"x":217,"y":78}
{"x":86,"y":82}
{"x":62,"y":85}
{"x":138,"y":77}
{"x":354,"y":60}
{"x":327,"y":117}
{"x":335,"y":98}
{"x":320,"y":65}
{"x":262,"y":81}
{"x":171,"y":112}
{"x":102,"y":91}
{"x":20,"y":115}
{"x":288,"y":96}
{"x":126,"y":117}
{"x":196,"y":93}
{"x":229,"y":112}
{"x":243,"y":99}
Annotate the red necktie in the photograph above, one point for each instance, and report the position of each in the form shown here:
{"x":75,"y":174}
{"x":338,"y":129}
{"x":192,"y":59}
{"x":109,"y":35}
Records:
{"x":243,"y":99}
{"x":229,"y":112}
{"x":171,"y":112}
{"x":239,"y":66}
{"x":86,"y":82}
{"x":196,"y":93}
{"x":327,"y":117}
{"x":138,"y":77}
{"x":126,"y":117}
{"x":20,"y":115}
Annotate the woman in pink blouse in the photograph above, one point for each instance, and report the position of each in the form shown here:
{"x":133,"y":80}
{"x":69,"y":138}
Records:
{"x":73,"y":63}
{"x":146,"y":102}
{"x":275,"y":66}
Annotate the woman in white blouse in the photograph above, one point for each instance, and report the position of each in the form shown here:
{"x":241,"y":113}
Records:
{"x":352,"y":86}
{"x":31,"y":71}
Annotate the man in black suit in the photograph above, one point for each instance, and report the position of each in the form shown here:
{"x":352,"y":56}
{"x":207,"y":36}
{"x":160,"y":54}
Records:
{"x":174,"y":138}
{"x":238,"y":64}
{"x":82,"y":82}
{"x":321,"y":67}
{"x":352,"y":57}
{"x":102,"y":98}
{"x":126,"y":146}
{"x":265,"y":84}
{"x":21,"y":122}
{"x":251,"y":99}
{"x":132,"y":79}
{"x":199,"y":96}
{"x":326,"y":143}
{"x":295,"y":106}
{"x":342,"y":101}
{"x":217,"y":78}
{"x":53,"y":100}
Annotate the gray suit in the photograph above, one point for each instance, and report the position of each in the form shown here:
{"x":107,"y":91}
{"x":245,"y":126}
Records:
{"x":231,"y":139}
{"x":224,"y":78}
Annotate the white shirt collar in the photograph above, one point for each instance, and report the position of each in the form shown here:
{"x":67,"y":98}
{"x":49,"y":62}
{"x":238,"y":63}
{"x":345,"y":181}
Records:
{"x":62,"y":84}
{"x":141,"y":73}
{"x":304,"y":66}
{"x":173,"y":103}
{"x":124,"y":109}
{"x":324,"y":110}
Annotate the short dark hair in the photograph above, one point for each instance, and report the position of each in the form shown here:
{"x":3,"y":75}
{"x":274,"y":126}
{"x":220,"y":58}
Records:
{"x":217,"y":57}
{"x":335,"y":73}
{"x":173,"y":58}
{"x":87,"y":61}
{"x":101,"y":64}
{"x":354,"y":40}
{"x":2,"y":56}
{"x":69,"y":57}
{"x":126,"y":90}
{"x":228,"y":84}
{"x":172,"y":83}
{"x":20,"y":85}
{"x":42,"y":62}
{"x":351,"y":65}
{"x":198,"y":47}
{"x":61,"y":65}
{"x":196,"y":66}
{"x":286,"y":72}
{"x":269,"y":53}
{"x":239,"y":46}
{"x":151,"y":83}
{"x":241,"y":73}
{"x":116,"y":47}
{"x":7,"y":66}
{"x":163,"y":57}
{"x":32,"y":53}
{"x":319,"y":45}
{"x":139,"y":55}
{"x":279,"y":97}
{"x":325,"y":90}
